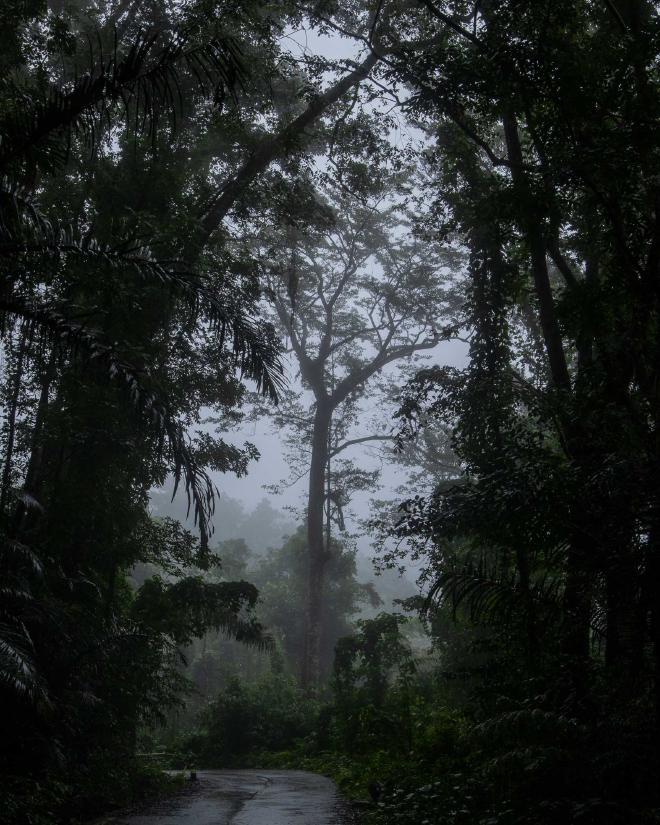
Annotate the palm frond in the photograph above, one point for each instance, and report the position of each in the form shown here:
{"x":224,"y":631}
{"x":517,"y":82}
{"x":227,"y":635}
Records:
{"x":255,"y":345}
{"x":478,"y":586}
{"x":255,"y":348}
{"x":18,"y":671}
{"x":490,"y":593}
{"x":75,"y":337}
{"x":143,"y":79}
{"x":187,"y":608}
{"x":19,"y":214}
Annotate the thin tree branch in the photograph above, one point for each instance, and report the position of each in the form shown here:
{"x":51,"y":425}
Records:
{"x":363,"y":440}
{"x":384,"y":357}
{"x":453,"y":25}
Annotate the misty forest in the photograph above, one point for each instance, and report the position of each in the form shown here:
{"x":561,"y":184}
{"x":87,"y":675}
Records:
{"x":330,"y":412}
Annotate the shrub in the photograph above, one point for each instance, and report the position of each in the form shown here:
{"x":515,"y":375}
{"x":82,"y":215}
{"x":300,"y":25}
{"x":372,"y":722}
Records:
{"x":245,"y":718}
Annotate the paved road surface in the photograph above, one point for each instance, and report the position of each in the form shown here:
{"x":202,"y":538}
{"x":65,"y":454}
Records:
{"x":249,"y":798}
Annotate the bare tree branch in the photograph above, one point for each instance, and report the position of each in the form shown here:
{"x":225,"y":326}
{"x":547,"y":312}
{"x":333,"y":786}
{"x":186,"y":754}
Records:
{"x":363,"y":440}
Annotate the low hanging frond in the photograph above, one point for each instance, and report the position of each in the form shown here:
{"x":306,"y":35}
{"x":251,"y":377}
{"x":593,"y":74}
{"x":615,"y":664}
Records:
{"x":490,"y":593}
{"x":18,"y":671}
{"x":255,"y":345}
{"x":19,"y":214}
{"x":74,"y":337}
{"x":185,"y":609}
{"x":477,"y":586}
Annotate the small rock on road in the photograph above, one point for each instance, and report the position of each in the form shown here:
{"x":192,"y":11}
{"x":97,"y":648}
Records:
{"x":249,"y":797}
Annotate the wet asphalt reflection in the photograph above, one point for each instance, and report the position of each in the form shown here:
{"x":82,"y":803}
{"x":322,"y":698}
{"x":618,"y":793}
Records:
{"x":249,"y":797}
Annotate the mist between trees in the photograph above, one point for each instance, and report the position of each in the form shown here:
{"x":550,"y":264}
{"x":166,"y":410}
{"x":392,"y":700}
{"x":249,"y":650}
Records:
{"x":303,"y":215}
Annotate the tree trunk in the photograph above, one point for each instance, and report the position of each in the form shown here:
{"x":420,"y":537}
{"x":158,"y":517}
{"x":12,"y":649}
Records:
{"x":11,"y":422}
{"x":531,"y":225}
{"x":653,"y":585}
{"x":577,"y":594}
{"x":317,"y":552}
{"x":653,"y":579}
{"x":33,"y":473}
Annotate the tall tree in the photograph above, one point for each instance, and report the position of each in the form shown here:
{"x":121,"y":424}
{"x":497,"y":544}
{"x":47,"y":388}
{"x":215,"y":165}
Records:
{"x":354,"y":293}
{"x":545,"y":162}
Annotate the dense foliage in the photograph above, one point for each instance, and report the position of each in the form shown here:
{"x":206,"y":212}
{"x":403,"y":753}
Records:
{"x":115,"y":333}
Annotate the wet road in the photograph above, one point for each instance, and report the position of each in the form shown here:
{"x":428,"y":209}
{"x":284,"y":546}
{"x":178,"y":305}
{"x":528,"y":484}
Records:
{"x":249,"y":798}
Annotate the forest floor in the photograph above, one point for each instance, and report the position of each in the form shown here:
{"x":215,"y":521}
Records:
{"x":247,"y":797}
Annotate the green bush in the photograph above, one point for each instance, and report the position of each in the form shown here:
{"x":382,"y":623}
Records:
{"x":106,"y":785}
{"x":246,"y":718}
{"x":27,"y":801}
